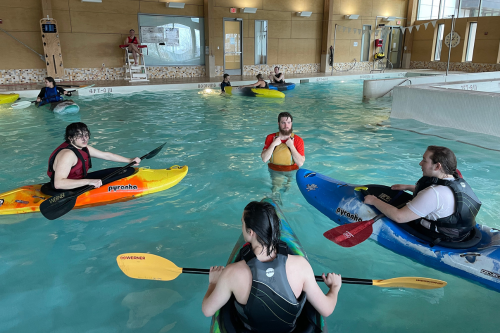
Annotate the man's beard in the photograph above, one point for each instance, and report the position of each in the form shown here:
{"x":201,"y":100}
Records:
{"x":286,"y":132}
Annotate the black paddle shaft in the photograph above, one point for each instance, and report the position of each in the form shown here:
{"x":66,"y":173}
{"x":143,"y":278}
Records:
{"x":318,"y":277}
{"x":62,"y":203}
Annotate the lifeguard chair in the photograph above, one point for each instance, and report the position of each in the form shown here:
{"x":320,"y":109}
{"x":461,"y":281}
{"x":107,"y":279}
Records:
{"x":136,"y":72}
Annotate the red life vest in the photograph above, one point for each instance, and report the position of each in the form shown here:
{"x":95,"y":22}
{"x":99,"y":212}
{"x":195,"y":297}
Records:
{"x":77,"y":171}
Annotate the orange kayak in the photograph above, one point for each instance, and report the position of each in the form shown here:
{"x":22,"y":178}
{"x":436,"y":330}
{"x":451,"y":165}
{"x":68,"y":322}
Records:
{"x":27,"y":199}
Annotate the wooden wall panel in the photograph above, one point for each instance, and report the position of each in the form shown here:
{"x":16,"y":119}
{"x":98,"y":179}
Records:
{"x":16,"y":56}
{"x":249,"y":51}
{"x":20,"y":19}
{"x":306,"y":29}
{"x":103,"y":23}
{"x":103,"y":49}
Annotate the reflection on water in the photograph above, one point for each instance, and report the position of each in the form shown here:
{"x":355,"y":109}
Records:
{"x":146,"y":304}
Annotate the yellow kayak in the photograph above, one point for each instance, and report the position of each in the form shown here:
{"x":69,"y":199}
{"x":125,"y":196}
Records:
{"x":8,"y":98}
{"x":27,"y":199}
{"x":254,"y":92}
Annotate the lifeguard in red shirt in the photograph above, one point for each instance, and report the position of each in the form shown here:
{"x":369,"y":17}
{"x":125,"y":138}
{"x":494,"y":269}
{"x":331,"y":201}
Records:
{"x":132,"y":43}
{"x":284,"y":150}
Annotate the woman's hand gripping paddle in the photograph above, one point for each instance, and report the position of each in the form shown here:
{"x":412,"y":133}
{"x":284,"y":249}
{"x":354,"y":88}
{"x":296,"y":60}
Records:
{"x":62,"y":203}
{"x":25,"y":104}
{"x":352,"y":234}
{"x":152,"y":267}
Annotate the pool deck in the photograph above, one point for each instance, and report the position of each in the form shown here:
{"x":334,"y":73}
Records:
{"x":125,"y":86}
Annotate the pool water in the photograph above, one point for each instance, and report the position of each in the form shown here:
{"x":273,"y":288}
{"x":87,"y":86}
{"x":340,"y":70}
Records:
{"x":62,"y":276}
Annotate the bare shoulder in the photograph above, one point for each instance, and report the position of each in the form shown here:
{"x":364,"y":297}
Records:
{"x":299,"y":262}
{"x":299,"y":265}
{"x":239,"y":273}
{"x":66,"y":154}
{"x":239,"y":269}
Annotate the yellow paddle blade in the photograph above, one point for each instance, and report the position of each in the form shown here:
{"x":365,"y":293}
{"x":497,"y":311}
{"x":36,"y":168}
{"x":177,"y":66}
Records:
{"x":147,"y":266}
{"x":410,"y":282}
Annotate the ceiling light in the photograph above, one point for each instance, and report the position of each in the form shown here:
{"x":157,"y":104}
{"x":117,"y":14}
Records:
{"x":352,"y":17}
{"x":304,"y":14}
{"x":92,"y":1}
{"x":248,"y":10}
{"x":175,"y":4}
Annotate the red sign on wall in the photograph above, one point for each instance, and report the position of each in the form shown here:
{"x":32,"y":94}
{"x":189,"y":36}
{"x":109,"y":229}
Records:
{"x":232,"y":10}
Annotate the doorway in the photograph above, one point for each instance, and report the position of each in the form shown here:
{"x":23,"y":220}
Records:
{"x":365,"y":42}
{"x":392,"y":47}
{"x":233,"y":46}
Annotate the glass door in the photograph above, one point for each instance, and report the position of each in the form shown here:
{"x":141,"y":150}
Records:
{"x":232,"y":46}
{"x":365,"y":43}
{"x":395,"y":40}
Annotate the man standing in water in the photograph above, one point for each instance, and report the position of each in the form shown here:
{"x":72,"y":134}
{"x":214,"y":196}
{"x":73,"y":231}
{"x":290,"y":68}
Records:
{"x":285,"y":152}
{"x":69,"y":163}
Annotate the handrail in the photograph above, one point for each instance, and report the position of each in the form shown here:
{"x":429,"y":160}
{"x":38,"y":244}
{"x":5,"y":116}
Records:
{"x":397,"y":85}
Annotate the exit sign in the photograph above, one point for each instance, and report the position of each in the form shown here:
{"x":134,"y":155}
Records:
{"x":232,"y":10}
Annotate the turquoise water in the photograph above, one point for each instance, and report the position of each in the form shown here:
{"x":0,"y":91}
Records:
{"x":62,"y":276}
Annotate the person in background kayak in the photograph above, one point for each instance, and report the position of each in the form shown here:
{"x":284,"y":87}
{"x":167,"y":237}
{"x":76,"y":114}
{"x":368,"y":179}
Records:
{"x":276,"y":76}
{"x":70,"y":162}
{"x":285,"y":152}
{"x":225,"y":83}
{"x":261,"y":83}
{"x":266,"y":280}
{"x":443,"y":203}
{"x":51,"y":93}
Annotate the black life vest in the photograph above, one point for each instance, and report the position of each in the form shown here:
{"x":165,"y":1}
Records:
{"x":272,"y":305}
{"x":467,"y":205}
{"x":265,"y":87}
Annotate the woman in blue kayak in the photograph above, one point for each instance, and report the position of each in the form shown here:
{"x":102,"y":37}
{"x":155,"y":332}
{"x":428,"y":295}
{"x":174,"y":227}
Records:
{"x":267,"y":280}
{"x":51,"y":93}
{"x":444,"y":205}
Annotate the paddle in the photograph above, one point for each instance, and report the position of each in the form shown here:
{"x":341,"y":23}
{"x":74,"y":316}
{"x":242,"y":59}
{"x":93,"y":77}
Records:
{"x":84,"y":87}
{"x":62,"y":203}
{"x":25,"y":104}
{"x":352,"y":234}
{"x":152,"y":267}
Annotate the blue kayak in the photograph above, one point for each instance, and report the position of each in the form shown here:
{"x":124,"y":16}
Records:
{"x":477,"y":259}
{"x":282,"y":86}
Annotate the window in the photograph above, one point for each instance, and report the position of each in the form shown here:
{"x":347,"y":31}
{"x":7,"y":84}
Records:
{"x":365,"y":43}
{"x":471,"y":40}
{"x":469,"y":8}
{"x":439,"y":42}
{"x":428,"y":9}
{"x":438,"y":9}
{"x":490,"y":8}
{"x":448,"y":8}
{"x":172,"y":40}
{"x":260,"y":42}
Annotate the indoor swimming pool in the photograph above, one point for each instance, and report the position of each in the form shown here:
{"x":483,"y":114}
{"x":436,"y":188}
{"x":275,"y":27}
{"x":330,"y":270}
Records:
{"x":62,"y":276}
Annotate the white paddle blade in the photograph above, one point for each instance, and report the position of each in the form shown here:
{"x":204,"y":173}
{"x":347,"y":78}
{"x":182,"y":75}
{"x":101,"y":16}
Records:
{"x":21,"y":105}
